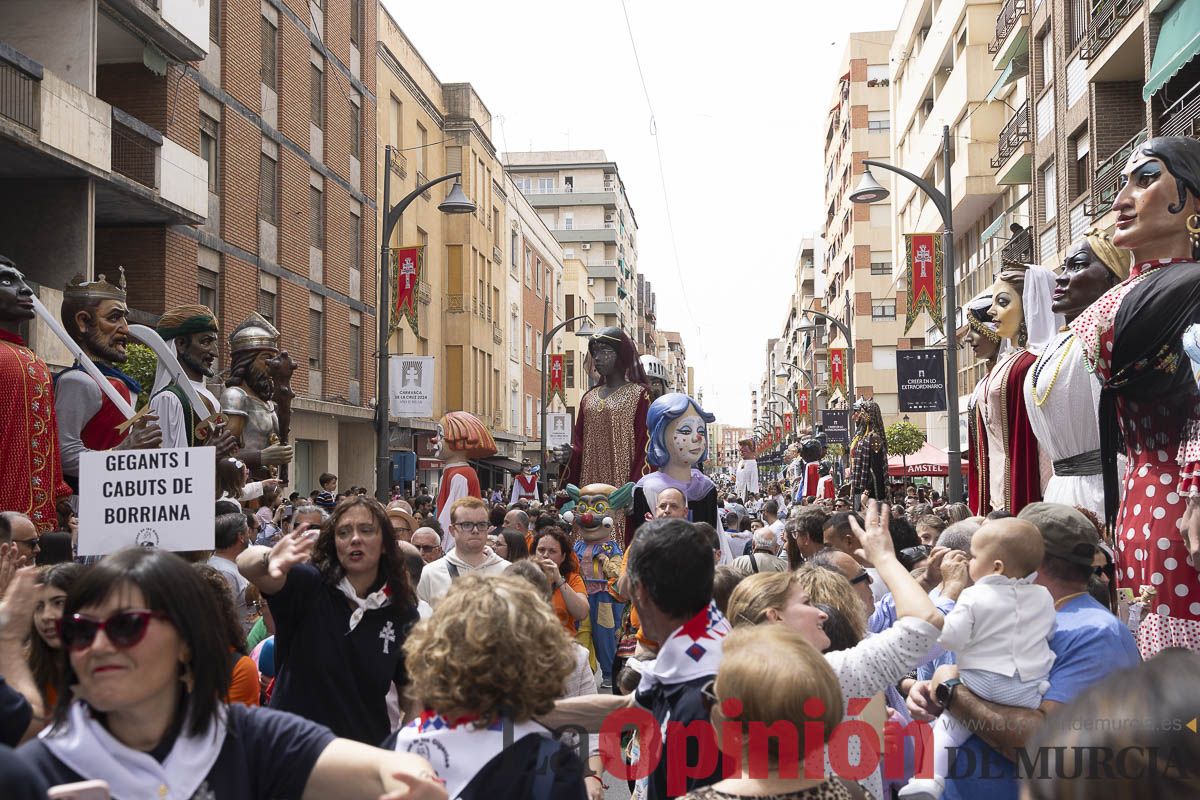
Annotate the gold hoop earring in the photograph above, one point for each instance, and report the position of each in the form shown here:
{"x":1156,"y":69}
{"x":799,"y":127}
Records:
{"x":1193,"y":227}
{"x":1022,"y":335}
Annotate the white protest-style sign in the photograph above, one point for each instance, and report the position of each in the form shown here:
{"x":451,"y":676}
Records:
{"x":149,"y":498}
{"x":410,"y":383}
{"x":558,"y":429}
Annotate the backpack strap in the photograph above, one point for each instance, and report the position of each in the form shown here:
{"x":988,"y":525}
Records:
{"x":453,"y":570}
{"x":753,"y":563}
{"x":543,"y":776}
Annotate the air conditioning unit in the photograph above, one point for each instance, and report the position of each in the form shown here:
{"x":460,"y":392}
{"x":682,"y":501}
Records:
{"x":585,"y":246}
{"x":608,"y":217}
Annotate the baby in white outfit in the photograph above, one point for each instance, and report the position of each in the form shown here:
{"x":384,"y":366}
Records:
{"x":999,"y":632}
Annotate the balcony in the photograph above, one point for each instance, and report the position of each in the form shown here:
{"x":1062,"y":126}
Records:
{"x":424,"y":292}
{"x":497,"y":334}
{"x":1107,"y":176}
{"x":1019,"y":248}
{"x":1182,"y":118}
{"x":1014,"y":153}
{"x":20,"y":80}
{"x":1108,"y":19}
{"x":1012,"y":32}
{"x":420,"y":180}
{"x":497,"y":255}
{"x":135,"y":149}
{"x":399,"y":165}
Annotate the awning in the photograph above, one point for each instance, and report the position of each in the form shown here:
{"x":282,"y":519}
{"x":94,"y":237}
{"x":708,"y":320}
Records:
{"x":500,"y":462}
{"x":1178,"y":43}
{"x":929,"y":460}
{"x":1014,"y":70}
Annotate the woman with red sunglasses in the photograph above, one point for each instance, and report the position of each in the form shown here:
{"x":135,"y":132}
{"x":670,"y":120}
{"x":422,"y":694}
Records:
{"x":147,"y":671}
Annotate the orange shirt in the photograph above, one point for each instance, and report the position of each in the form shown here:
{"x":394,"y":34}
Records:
{"x":244,"y":687}
{"x":575,"y":581}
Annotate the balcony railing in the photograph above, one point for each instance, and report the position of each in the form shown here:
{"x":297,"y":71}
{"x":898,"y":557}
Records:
{"x":400,"y":164}
{"x":497,"y":334}
{"x":1108,"y":174}
{"x":1107,"y":20}
{"x":1019,"y":248}
{"x":19,"y":82}
{"x":420,"y":180}
{"x":1182,"y":118}
{"x":1006,"y":22}
{"x":135,"y":149}
{"x":1013,"y":135}
{"x":497,"y":255}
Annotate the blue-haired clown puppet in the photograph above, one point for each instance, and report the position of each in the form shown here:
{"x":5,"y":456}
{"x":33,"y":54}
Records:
{"x":591,"y":512}
{"x":678,"y":446}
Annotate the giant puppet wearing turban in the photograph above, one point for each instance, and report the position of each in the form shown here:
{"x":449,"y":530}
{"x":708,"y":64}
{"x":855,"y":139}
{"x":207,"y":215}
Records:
{"x":609,"y":442}
{"x":29,"y":454}
{"x":193,"y":332}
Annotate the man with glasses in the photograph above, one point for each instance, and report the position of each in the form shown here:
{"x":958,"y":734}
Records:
{"x":469,"y":528}
{"x":19,"y":529}
{"x":428,"y":544}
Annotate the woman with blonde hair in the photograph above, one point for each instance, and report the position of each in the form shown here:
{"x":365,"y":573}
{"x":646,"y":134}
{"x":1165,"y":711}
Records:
{"x":492,"y":656}
{"x":773,"y":697}
{"x":876,"y":662}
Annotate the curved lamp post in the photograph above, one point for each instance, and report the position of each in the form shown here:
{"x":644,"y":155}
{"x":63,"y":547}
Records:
{"x":812,"y":406}
{"x":582,"y":331}
{"x":845,"y":331}
{"x":870,"y":191}
{"x":455,"y":203}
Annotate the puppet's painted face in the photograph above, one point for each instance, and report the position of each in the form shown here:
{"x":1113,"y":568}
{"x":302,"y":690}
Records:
{"x":1007,"y":310}
{"x":1144,"y":219}
{"x":442,"y":448}
{"x":746,"y":449}
{"x":686,"y":439}
{"x":592,"y":511}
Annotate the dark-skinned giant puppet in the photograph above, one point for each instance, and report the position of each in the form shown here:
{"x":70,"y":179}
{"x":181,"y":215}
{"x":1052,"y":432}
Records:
{"x":90,"y":416}
{"x":609,"y":441}
{"x":868,"y":452}
{"x":249,"y":397}
{"x":29,"y":451}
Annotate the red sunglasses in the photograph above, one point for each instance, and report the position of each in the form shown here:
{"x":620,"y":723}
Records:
{"x":124,"y":628}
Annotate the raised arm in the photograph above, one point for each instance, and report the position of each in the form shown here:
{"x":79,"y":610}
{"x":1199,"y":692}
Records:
{"x":16,"y":617}
{"x":268,"y":567}
{"x":911,"y":599}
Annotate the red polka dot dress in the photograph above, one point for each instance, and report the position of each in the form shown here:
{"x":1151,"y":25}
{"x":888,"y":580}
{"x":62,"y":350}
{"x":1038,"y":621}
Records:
{"x":1162,"y":471}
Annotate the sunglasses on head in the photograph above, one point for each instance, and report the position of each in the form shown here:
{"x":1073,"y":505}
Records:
{"x":124,"y":629}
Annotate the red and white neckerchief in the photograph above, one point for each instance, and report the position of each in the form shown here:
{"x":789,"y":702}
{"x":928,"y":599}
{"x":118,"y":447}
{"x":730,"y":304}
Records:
{"x":377,"y":599}
{"x":692,"y":651}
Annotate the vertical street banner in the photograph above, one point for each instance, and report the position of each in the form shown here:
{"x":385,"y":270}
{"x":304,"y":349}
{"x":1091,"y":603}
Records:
{"x":406,"y":264}
{"x":410,"y":383}
{"x":787,"y":421}
{"x":146,"y":498}
{"x":921,"y":380}
{"x":778,"y":433}
{"x":802,"y":401}
{"x":837,"y":426}
{"x":554,"y":384}
{"x":837,"y":369}
{"x":923,"y":254}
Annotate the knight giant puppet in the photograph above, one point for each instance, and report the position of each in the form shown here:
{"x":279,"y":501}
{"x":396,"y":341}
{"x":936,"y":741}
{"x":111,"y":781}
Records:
{"x":247,"y":399}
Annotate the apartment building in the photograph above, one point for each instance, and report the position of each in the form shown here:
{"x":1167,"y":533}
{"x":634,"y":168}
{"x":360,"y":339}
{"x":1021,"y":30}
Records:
{"x":471,"y":260}
{"x":804,"y":342}
{"x":646,"y":316}
{"x":580,"y":196}
{"x":215,"y":151}
{"x":673,"y":355}
{"x":723,"y":446}
{"x":578,"y":299}
{"x":943,"y":74}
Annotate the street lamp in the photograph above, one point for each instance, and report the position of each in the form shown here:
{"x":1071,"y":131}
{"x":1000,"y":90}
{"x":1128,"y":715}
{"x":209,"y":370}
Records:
{"x":812,"y":401}
{"x":583,"y":331}
{"x":869,"y":191}
{"x":845,"y":331}
{"x":455,"y":203}
{"x":795,"y":408}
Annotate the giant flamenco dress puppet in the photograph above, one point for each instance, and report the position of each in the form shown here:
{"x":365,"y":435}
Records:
{"x":979,"y":333}
{"x":609,"y":441}
{"x":1133,"y":339}
{"x":1017,"y":469}
{"x":1062,"y":396}
{"x":868,"y":453}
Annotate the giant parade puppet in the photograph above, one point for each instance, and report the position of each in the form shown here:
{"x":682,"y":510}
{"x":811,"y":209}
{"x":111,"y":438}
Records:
{"x":1062,"y":397}
{"x":979,"y":333}
{"x":94,"y":409}
{"x":29,"y":451}
{"x":1133,"y":340}
{"x":461,"y":436}
{"x":609,"y":441}
{"x":249,"y":397}
{"x":868,"y":453}
{"x":746,"y":476}
{"x":1016,"y":469}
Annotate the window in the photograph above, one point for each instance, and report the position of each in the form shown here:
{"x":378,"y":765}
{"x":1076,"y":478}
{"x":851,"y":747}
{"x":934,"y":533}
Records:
{"x":528,"y":344}
{"x":528,"y":277}
{"x":1049,"y":185}
{"x":537,"y":276}
{"x":422,"y":143}
{"x":355,"y":131}
{"x":537,"y":350}
{"x":268,"y":303}
{"x":268,"y":71}
{"x":568,"y":221}
{"x":878,"y":121}
{"x":214,"y":21}
{"x":316,"y":218}
{"x":545,"y":185}
{"x":356,"y":10}
{"x":883,"y":309}
{"x":569,"y":369}
{"x":1046,"y":51}
{"x":569,"y":184}
{"x":316,"y":104}
{"x":883,"y":358}
{"x":514,"y":262}
{"x":525,"y":185}
{"x":356,"y":243}
{"x":514,"y":337}
{"x":396,"y":119}
{"x":268,"y":190}
{"x":528,"y":415}
{"x":877,"y":72}
{"x":207,"y":284}
{"x":882,"y":266}
{"x":316,"y":338}
{"x":355,"y":352}
{"x":210,"y":137}
{"x":1082,"y":179}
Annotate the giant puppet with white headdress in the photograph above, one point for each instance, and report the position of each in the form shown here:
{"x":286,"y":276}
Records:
{"x":94,"y":399}
{"x":250,"y":392}
{"x":979,"y":333}
{"x":1017,"y":468}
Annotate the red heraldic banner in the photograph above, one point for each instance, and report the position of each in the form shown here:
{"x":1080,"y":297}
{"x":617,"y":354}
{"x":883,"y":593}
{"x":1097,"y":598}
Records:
{"x":555,"y":384}
{"x":802,"y":401}
{"x":837,"y":369}
{"x":923,"y":253}
{"x":787,"y":421}
{"x":778,"y":433}
{"x":406,"y":265}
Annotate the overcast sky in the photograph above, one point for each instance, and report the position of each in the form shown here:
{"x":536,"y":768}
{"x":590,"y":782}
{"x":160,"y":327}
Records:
{"x":739,"y":93}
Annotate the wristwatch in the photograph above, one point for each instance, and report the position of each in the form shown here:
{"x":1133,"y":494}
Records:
{"x":945,"y":692}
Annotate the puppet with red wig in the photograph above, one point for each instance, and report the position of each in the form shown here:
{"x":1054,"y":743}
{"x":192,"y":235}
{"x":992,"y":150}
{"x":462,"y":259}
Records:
{"x":460,"y":436}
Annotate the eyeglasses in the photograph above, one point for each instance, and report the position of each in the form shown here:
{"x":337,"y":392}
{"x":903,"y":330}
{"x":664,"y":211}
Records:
{"x":124,"y":628}
{"x":32,"y":544}
{"x":1106,"y":569}
{"x":426,"y":548}
{"x":860,"y":577}
{"x":472,"y":527}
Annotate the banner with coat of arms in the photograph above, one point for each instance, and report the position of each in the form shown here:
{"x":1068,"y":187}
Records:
{"x":923,"y":254}
{"x":837,"y":369}
{"x":787,"y":421}
{"x":555,"y":385}
{"x":406,"y":264}
{"x":802,"y":401}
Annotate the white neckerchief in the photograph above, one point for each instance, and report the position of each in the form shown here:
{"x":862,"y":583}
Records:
{"x":91,"y":751}
{"x":692,"y":651}
{"x":458,"y":750}
{"x":377,"y":599}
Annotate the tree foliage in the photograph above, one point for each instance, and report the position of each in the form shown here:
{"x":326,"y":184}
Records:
{"x":904,"y":439}
{"x":140,"y":366}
